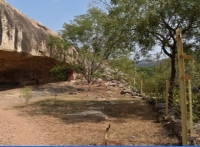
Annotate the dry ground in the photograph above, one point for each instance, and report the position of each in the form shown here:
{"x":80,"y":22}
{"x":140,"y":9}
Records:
{"x":45,"y":121}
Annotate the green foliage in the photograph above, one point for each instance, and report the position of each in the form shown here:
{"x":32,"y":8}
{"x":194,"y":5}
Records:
{"x":26,"y":93}
{"x":123,"y":68}
{"x":150,"y":23}
{"x":59,"y":47}
{"x":58,"y":72}
{"x":75,"y":67}
{"x":88,"y":34}
{"x":192,"y":68}
{"x":149,"y":70}
{"x":196,"y":107}
{"x":99,"y":73}
{"x":122,"y":64}
{"x":154,"y":78}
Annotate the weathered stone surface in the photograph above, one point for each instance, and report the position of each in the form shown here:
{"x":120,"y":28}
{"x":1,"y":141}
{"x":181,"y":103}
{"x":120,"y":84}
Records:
{"x":73,"y":93}
{"x":24,"y":51}
{"x":126,"y":91}
{"x":98,"y":80}
{"x":90,"y":114}
{"x":21,"y":34}
{"x":109,"y":103}
{"x":97,"y":108}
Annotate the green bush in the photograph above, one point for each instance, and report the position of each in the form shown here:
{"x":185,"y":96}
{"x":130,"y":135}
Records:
{"x":26,"y":93}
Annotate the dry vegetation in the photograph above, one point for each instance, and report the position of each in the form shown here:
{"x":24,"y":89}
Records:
{"x":132,"y":121}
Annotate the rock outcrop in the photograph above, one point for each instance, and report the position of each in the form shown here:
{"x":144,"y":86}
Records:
{"x":24,"y":51}
{"x":21,"y":34}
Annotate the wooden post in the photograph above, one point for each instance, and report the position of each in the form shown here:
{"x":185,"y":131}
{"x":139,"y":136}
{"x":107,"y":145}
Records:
{"x":141,"y":87}
{"x":166,"y":96}
{"x":190,"y":108}
{"x":182,"y":86}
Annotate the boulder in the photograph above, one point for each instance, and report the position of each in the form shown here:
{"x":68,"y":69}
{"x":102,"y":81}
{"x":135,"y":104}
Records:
{"x":98,"y":80}
{"x":169,"y":118}
{"x":90,"y":114}
{"x":177,"y":129}
{"x":107,"y":77}
{"x":112,"y":84}
{"x":135,"y":94}
{"x":109,"y":102}
{"x":120,"y":85}
{"x":97,"y":108}
{"x":123,"y":81}
{"x":126,"y":91}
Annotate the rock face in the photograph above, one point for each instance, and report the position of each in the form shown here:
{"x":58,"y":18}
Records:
{"x":21,"y":34}
{"x":92,"y":114}
{"x":24,"y":51}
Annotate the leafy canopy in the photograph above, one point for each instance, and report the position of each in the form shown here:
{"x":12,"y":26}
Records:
{"x":154,"y":22}
{"x":87,"y":33}
{"x":59,"y":48}
{"x":123,"y":64}
{"x":148,"y":23}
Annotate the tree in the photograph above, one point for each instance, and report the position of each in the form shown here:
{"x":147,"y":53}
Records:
{"x":26,"y":93}
{"x":154,"y":77}
{"x":149,"y":23}
{"x":88,"y":35}
{"x":60,"y":48}
{"x":58,"y":72}
{"x":123,"y":68}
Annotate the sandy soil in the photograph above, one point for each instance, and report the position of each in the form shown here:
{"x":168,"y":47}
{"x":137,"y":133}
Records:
{"x":132,"y":121}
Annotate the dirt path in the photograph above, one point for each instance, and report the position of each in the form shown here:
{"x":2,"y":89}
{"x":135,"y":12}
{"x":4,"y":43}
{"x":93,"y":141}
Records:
{"x":131,"y":122}
{"x":15,"y":129}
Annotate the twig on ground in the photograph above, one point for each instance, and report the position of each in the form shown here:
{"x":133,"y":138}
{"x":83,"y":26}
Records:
{"x":107,"y":138}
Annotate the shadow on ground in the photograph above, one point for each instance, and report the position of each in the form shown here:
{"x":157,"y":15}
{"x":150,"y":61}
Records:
{"x":122,"y":109}
{"x":52,"y":89}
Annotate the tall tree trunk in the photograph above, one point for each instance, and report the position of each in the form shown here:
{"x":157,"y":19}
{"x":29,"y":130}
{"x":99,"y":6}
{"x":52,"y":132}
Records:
{"x":172,"y":81}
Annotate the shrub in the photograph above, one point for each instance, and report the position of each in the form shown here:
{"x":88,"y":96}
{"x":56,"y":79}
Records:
{"x":26,"y":93}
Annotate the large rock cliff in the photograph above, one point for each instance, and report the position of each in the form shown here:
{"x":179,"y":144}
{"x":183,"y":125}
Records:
{"x":22,"y":34}
{"x":24,"y":51}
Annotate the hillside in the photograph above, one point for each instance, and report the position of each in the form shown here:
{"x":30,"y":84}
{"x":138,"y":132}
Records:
{"x":146,"y":62}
